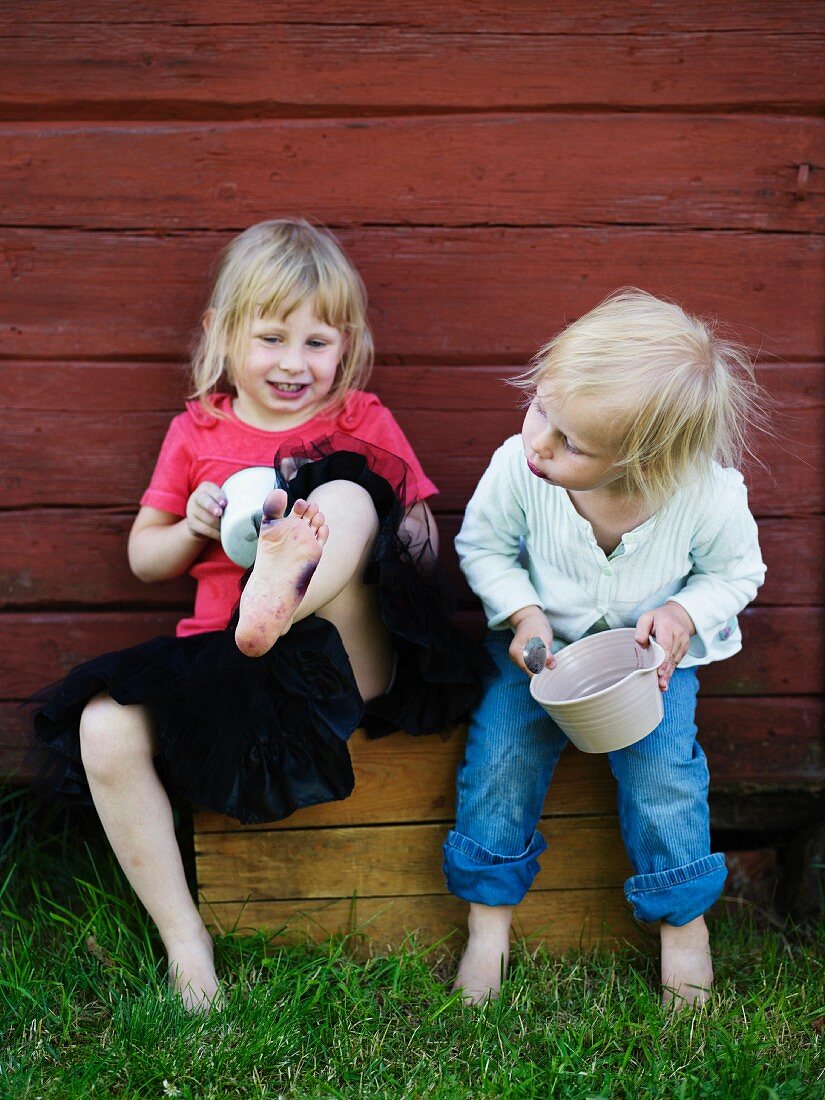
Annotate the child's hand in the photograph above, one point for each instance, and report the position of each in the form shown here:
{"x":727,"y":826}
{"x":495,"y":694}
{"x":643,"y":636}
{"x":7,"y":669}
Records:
{"x":530,"y":622}
{"x":672,"y":628}
{"x":204,"y":510}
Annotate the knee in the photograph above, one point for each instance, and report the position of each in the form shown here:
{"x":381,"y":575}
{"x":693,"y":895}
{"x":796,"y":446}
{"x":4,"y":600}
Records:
{"x":112,"y":737}
{"x":348,"y":500}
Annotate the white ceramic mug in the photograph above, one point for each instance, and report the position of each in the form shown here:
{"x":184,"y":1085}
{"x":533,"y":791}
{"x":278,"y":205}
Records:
{"x":245,"y":492}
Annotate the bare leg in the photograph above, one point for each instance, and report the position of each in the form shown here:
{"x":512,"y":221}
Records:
{"x":341,"y":520}
{"x":289,"y":549}
{"x":484,"y":962}
{"x":687,"y":970}
{"x":337,"y":591}
{"x":117,"y":746}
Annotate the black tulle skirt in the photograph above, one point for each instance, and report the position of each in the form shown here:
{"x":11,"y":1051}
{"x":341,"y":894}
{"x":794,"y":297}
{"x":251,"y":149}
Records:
{"x":257,"y":738}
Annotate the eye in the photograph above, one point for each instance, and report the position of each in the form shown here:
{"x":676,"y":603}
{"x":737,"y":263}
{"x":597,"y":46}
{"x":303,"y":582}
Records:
{"x":317,"y":344}
{"x":568,"y":446}
{"x":270,"y":338}
{"x":539,"y":409}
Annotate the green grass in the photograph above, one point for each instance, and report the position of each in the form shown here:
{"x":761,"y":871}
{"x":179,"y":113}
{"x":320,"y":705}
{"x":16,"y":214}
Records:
{"x":84,"y":1011}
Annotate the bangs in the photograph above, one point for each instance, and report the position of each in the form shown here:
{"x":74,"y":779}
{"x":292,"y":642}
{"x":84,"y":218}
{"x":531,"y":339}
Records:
{"x":285,"y":288}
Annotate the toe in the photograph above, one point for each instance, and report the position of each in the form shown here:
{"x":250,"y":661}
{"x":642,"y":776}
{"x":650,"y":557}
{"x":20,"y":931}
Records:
{"x":274,"y":506}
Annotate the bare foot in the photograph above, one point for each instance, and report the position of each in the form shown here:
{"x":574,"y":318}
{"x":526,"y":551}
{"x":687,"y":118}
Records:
{"x":484,"y":962}
{"x":687,"y":970}
{"x":191,"y":972}
{"x":289,"y":549}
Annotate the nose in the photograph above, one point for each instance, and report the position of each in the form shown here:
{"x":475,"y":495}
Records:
{"x":542,"y":444}
{"x":290,"y":359}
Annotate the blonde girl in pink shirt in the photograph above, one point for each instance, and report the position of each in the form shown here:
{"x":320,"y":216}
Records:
{"x":343,"y":620}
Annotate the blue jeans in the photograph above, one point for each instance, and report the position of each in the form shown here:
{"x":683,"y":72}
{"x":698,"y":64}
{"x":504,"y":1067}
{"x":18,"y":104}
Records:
{"x":491,"y":856}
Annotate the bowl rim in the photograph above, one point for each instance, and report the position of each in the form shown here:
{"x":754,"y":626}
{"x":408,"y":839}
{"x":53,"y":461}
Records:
{"x":611,"y":687}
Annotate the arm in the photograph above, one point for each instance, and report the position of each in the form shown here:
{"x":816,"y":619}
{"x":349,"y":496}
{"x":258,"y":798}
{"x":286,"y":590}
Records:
{"x":489,"y":547}
{"x":420,"y":528}
{"x":163,"y":545}
{"x":489,"y":544}
{"x":727,"y":572}
{"x":727,"y":567}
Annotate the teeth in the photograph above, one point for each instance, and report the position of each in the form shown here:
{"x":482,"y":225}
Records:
{"x":288,"y":387}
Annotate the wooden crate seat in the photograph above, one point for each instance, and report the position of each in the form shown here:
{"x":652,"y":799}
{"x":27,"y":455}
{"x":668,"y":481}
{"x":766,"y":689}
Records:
{"x":371,"y":864}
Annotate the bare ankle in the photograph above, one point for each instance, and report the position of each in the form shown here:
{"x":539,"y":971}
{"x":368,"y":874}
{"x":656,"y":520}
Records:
{"x":687,"y":967}
{"x":485,"y":959}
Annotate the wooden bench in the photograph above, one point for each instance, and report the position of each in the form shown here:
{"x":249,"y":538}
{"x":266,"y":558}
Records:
{"x":486,"y":196}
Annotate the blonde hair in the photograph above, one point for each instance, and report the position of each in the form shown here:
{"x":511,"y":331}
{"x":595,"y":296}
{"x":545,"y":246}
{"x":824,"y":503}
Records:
{"x":679,"y":396}
{"x":267,"y":271}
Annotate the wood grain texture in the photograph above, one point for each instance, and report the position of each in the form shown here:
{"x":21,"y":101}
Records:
{"x":782,"y":648}
{"x":364,"y":861}
{"x":561,"y":919}
{"x":223,"y":67}
{"x":115,"y":386}
{"x":684,"y":172}
{"x":764,"y":744}
{"x":455,"y":417}
{"x":112,"y":458}
{"x":401,"y":779}
{"x":69,"y":294}
{"x":632,"y":17}
{"x":77,"y":557}
{"x":752,"y":743}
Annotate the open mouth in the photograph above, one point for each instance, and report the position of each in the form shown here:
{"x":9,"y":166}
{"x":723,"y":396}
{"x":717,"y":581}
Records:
{"x":288,"y":388}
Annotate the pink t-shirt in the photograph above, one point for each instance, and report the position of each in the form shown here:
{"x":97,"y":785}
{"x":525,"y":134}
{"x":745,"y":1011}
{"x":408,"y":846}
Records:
{"x":199,"y":447}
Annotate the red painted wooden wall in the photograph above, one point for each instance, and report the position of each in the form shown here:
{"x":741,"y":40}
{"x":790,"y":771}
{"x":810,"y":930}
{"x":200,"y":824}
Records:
{"x":494,"y":169}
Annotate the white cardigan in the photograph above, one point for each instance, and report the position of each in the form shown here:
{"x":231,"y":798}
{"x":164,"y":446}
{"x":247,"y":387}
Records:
{"x":522,"y":542}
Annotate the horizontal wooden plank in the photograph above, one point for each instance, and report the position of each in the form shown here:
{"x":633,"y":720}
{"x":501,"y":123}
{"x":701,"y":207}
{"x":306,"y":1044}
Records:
{"x":112,"y":387}
{"x":552,"y":170}
{"x":468,"y":295}
{"x":561,"y":920}
{"x":65,"y":556}
{"x":40,"y":649}
{"x":113,"y":457}
{"x":782,"y":648}
{"x":401,"y":779}
{"x":752,"y":744}
{"x":764,"y":744}
{"x":793,"y":549}
{"x":225,"y":69}
{"x":455,"y":417}
{"x":633,"y":17}
{"x":342,"y":862}
{"x":78,"y":557}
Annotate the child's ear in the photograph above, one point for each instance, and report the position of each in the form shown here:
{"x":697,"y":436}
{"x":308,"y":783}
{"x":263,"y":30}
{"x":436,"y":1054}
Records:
{"x":208,"y":318}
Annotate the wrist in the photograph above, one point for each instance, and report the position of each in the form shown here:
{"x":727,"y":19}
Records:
{"x":191,"y":535}
{"x":683,"y":616}
{"x":525,"y":614}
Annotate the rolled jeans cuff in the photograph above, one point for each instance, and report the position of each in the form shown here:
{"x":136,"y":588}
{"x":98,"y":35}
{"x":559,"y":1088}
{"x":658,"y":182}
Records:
{"x":680,"y":894}
{"x":476,"y":874}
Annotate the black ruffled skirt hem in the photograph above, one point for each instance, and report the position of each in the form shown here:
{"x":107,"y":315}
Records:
{"x":257,"y":738}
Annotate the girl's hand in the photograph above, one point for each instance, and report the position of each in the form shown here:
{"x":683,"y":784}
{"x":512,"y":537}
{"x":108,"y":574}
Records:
{"x":672,"y":628}
{"x":204,"y":510}
{"x":530,"y":622}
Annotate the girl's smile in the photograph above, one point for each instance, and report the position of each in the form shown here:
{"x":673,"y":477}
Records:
{"x":290,"y":367}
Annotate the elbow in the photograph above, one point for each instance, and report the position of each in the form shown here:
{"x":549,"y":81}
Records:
{"x":142,"y":565}
{"x":142,"y":570}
